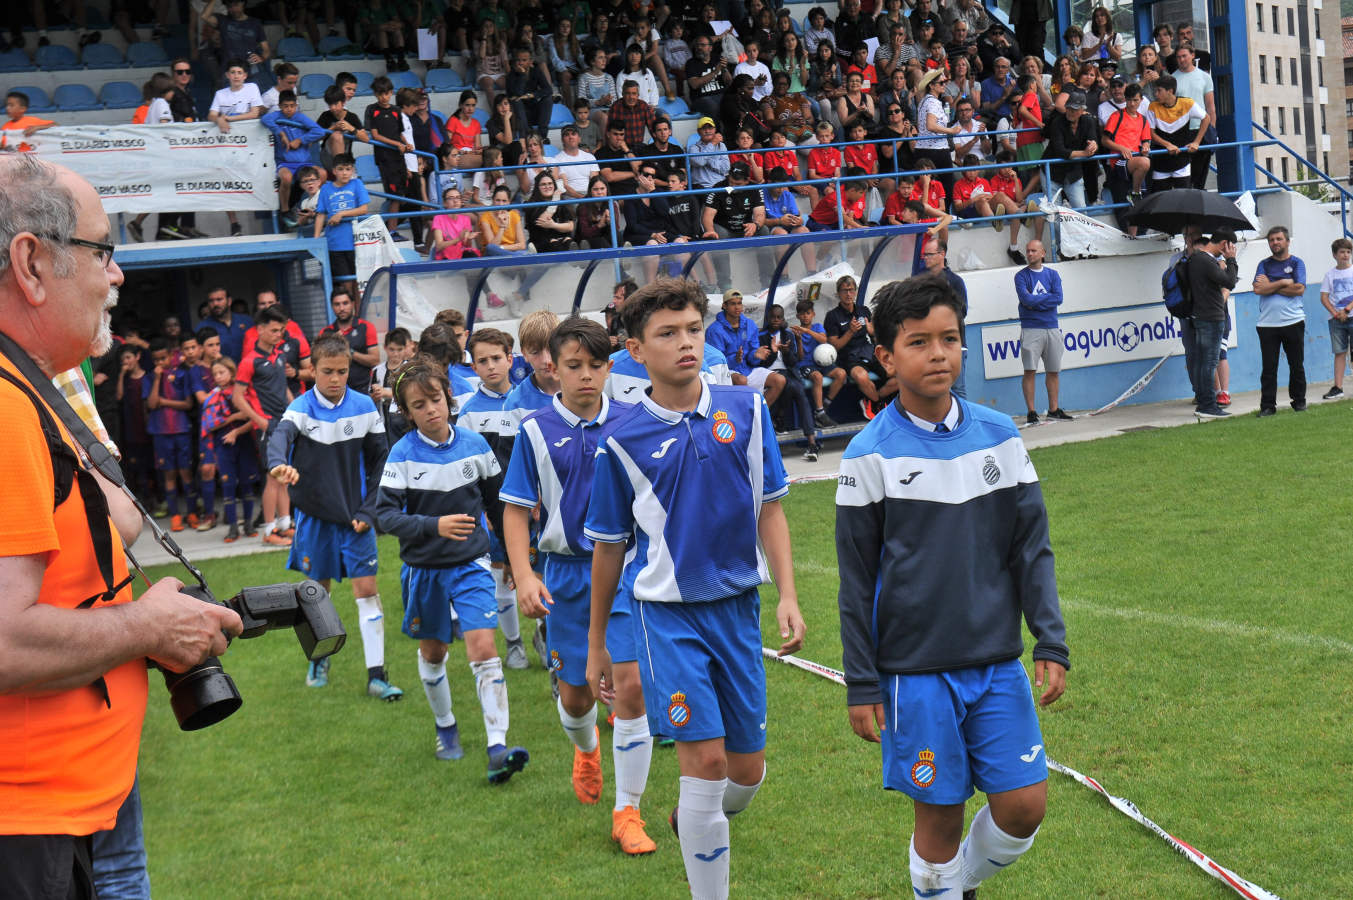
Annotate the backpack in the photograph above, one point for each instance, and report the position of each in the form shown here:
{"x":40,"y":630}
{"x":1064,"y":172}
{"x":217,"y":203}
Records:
{"x":1174,"y":287}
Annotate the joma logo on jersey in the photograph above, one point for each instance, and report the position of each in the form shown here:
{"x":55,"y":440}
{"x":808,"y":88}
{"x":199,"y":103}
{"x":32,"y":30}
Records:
{"x":845,"y":480}
{"x":662,"y":448}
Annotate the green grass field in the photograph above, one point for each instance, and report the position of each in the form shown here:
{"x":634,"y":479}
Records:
{"x":1203,"y":574}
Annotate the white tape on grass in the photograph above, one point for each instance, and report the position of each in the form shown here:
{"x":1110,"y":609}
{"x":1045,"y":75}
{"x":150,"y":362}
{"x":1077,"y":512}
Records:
{"x":1242,"y":887}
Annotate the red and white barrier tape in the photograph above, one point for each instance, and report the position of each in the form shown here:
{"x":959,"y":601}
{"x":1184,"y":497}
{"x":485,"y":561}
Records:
{"x":1200,"y":859}
{"x":1136,"y":388}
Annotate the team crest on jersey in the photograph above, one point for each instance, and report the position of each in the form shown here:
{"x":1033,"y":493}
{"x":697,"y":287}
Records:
{"x":923,"y":770}
{"x":724,"y":432}
{"x":556,"y":664}
{"x":414,"y":624}
{"x":347,"y":429}
{"x":991,"y":473}
{"x":468,"y":469}
{"x":678,"y":713}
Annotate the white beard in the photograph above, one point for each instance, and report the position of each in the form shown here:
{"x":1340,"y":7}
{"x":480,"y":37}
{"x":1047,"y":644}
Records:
{"x":103,"y":338}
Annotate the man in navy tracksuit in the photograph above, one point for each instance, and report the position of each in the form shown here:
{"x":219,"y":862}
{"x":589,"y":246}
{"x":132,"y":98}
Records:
{"x":1040,"y":293}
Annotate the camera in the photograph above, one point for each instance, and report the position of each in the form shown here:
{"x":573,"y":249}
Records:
{"x":205,"y":694}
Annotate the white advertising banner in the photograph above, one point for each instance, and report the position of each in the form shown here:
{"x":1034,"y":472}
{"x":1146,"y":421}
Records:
{"x":1094,"y":339}
{"x":168,"y":168}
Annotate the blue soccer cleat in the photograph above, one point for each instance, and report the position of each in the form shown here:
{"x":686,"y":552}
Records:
{"x":384,"y":690}
{"x":505,"y":762}
{"x":318,"y":674}
{"x":448,"y":743}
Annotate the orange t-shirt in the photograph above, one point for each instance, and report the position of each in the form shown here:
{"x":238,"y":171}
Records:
{"x":66,"y":759}
{"x":20,"y":124}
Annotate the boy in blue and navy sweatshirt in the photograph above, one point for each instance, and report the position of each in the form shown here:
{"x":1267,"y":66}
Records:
{"x":439,"y":481}
{"x":690,"y":467}
{"x":294,"y":148}
{"x":328,"y":448}
{"x":551,"y":467}
{"x":942,"y":543}
{"x":1040,"y":293}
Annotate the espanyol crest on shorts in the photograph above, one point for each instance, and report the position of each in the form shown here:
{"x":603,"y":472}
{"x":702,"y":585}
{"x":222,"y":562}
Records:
{"x":923,"y":770}
{"x":678,"y":713}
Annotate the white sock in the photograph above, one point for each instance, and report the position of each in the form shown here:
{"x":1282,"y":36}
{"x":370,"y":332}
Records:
{"x":632,"y":746}
{"x":438,"y":690}
{"x":492,"y":689}
{"x":268,"y":527}
{"x":704,"y":837}
{"x":283,"y":523}
{"x":987,"y":849}
{"x":507,"y":607}
{"x":581,"y":730}
{"x":930,"y":879}
{"x":371,"y":622}
{"x":736,"y":797}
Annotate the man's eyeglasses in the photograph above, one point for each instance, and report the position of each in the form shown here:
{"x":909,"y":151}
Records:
{"x":104,"y":250}
{"x":183,"y":71}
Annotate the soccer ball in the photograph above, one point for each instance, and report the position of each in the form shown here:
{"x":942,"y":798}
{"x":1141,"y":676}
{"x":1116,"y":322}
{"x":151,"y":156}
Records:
{"x":824,"y":355}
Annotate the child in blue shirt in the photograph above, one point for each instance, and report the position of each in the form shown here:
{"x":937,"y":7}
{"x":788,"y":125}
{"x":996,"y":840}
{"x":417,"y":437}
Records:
{"x":341,"y":201}
{"x":438,"y":481}
{"x":698,"y":612}
{"x":294,"y":147}
{"x":167,"y":421}
{"x":811,"y":336}
{"x":942,"y":544}
{"x":552,"y":466}
{"x":335,"y":437}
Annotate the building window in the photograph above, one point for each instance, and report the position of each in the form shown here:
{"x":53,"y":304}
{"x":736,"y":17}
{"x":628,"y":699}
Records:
{"x":1278,"y":69}
{"x":1284,"y":164}
{"x":1320,"y":73}
{"x":1292,"y":67}
{"x":1259,"y":17}
{"x":1296,"y":120}
{"x":1267,"y":125}
{"x":1324,"y":125}
{"x":1282,"y":120}
{"x":1275,"y":20}
{"x":1327,"y":163}
{"x":1263,"y":72}
{"x":1348,"y":108}
{"x":1318,"y":35}
{"x":1291,"y":21}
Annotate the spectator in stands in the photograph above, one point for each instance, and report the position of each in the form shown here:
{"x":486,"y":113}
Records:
{"x":995,"y":42}
{"x":851,"y":28}
{"x":616,"y":161}
{"x":1183,"y":34}
{"x":785,"y":359}
{"x":565,"y":55}
{"x":382,"y":32}
{"x":1177,"y":124}
{"x":830,"y":215}
{"x":1071,"y":137}
{"x":594,"y":219}
{"x":536,"y":162}
{"x":1099,"y":39}
{"x":340,"y":202}
{"x":933,"y":128}
{"x":1280,"y":282}
{"x":384,"y":121}
{"x":972,"y":137}
{"x":934,"y":256}
{"x":635,"y":72}
{"x":158,"y":90}
{"x":532,"y":96}
{"x":490,"y":58}
{"x":1149,"y":68}
{"x":1028,"y":118}
{"x":755,"y":69}
{"x":1336,"y":295}
{"x":708,"y":156}
{"x":16,"y":107}
{"x":819,"y":29}
{"x":464,"y":132}
{"x":666,"y":153}
{"x":675,"y":53}
{"x":737,"y":212}
{"x":850,"y":329}
{"x":974,"y":195}
{"x":791,"y":114}
{"x":826,"y":82}
{"x":962,"y":83}
{"x":230,"y":325}
{"x":286,"y":77}
{"x":550,"y":227}
{"x":340,"y":122}
{"x":860,"y":155}
{"x":706,"y":77}
{"x":855,"y":102}
{"x":597,"y":87}
{"x":998,"y":92}
{"x":602,"y":37}
{"x":1039,"y":289}
{"x":683,"y":217}
{"x":292,"y":148}
{"x":1209,"y":278}
{"x":738,"y":109}
{"x":501,"y":234}
{"x":646,"y":219}
{"x":526,"y":38}
{"x":646,"y":38}
{"x":243,"y":39}
{"x":238,"y":102}
{"x":894,"y":146}
{"x":743,"y":153}
{"x":782,"y":212}
{"x":633,"y":115}
{"x":792,"y":60}
{"x":428,"y":128}
{"x":575,"y":165}
{"x":1127,"y":133}
{"x":735,"y":335}
{"x":487,"y":179}
{"x":1194,"y":82}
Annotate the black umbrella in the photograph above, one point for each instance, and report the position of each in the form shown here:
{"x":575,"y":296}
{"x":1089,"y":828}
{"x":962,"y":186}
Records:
{"x":1169,"y":211}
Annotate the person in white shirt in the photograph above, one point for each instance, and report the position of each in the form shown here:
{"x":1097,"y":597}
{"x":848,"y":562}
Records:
{"x":288,"y":77}
{"x":237,"y":102}
{"x":574,"y":178}
{"x":1196,"y":84}
{"x":636,"y":72}
{"x":757,"y":69}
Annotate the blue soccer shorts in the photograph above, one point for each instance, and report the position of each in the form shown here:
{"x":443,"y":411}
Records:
{"x":439,"y":603}
{"x":702,"y":670}
{"x":950,"y":731}
{"x":172,"y":452}
{"x":569,"y":581}
{"x":326,"y":550}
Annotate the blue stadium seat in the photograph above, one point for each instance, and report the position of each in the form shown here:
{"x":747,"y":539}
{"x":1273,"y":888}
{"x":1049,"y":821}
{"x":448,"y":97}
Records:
{"x":75,"y":98}
{"x":15,"y":60}
{"x":364,"y":80}
{"x":333,"y":47}
{"x":674,"y":107}
{"x":144,"y":54}
{"x":561,"y":116}
{"x":120,"y":95}
{"x":367,"y":173}
{"x":37,"y":98}
{"x":404,"y":80}
{"x":296,"y":49}
{"x":55,"y":56}
{"x":103,"y":56}
{"x":480,"y":115}
{"x":314,"y":84}
{"x":445,"y":80}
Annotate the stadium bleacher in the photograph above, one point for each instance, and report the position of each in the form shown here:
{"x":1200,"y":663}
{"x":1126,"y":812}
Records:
{"x":75,"y":98}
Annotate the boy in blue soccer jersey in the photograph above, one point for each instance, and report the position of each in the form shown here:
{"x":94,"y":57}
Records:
{"x":483,"y":413}
{"x":942,"y":543}
{"x":328,"y":449}
{"x":167,"y":403}
{"x":439,"y":479}
{"x":341,"y":201}
{"x":537,"y":390}
{"x":552,"y":465}
{"x":692,"y":467}
{"x":628,"y":380}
